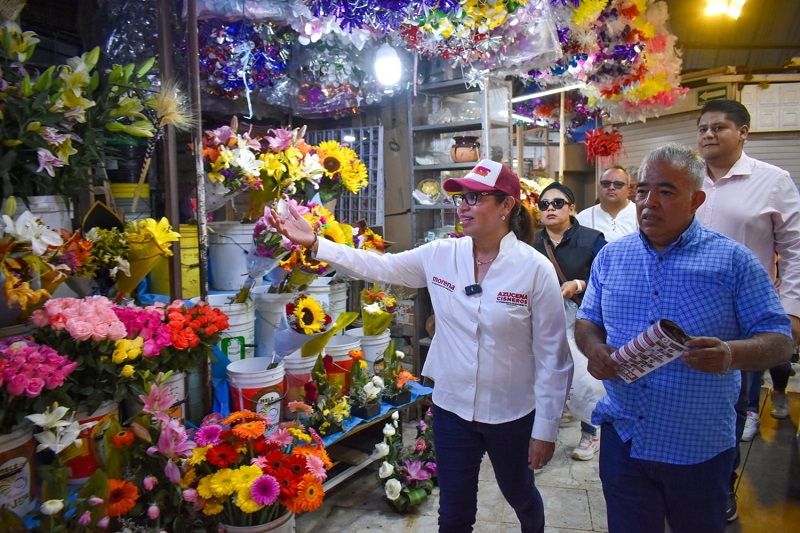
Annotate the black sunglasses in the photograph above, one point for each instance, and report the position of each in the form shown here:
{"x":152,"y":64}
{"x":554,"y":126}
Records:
{"x":472,"y":197}
{"x":607,"y":184}
{"x":558,"y":203}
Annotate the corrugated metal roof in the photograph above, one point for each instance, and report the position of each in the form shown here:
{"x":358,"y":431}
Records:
{"x":764,"y":38}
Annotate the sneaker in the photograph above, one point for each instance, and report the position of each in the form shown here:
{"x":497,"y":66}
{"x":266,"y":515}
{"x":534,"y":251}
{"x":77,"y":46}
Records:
{"x":751,"y":426}
{"x":780,"y":405}
{"x":587,"y":447}
{"x":731,"y":513}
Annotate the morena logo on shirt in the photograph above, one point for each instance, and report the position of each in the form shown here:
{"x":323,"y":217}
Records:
{"x":512,"y":298}
{"x":443,"y":284}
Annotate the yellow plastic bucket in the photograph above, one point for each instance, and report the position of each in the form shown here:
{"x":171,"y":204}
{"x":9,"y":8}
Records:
{"x":128,"y":190}
{"x":190,"y":266}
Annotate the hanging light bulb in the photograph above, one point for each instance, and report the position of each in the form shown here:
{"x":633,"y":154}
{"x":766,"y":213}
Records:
{"x":388,"y":67}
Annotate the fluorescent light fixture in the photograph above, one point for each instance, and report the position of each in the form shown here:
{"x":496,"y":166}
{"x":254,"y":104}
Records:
{"x":732,"y":8}
{"x":555,"y":90}
{"x":349,"y":138}
{"x":388,"y":67}
{"x":523,"y":118}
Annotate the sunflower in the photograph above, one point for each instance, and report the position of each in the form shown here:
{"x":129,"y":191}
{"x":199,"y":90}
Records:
{"x":310,"y":316}
{"x":122,"y":496}
{"x":332,"y":157}
{"x":250,"y":430}
{"x":354,"y":178}
{"x":309,"y":495}
{"x":333,"y":232}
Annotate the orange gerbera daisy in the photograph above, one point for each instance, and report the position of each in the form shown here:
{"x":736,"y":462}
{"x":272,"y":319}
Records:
{"x":122,"y":496}
{"x":123,"y":439}
{"x":250,"y":430}
{"x":356,"y":355}
{"x":309,"y":495}
{"x":315,"y":451}
{"x":236,"y":416}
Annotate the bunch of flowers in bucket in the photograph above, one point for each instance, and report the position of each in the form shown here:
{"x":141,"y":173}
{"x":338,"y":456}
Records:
{"x":365,"y":391}
{"x":344,"y":171}
{"x":31,"y":263}
{"x":31,"y":376}
{"x":298,"y":268}
{"x":377,"y":309}
{"x":396,"y":378}
{"x":407,"y":475}
{"x":241,"y":477}
{"x":330,"y":407}
{"x":147,"y":460}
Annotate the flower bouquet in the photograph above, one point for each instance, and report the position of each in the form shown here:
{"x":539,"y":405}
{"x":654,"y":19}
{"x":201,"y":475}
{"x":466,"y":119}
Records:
{"x":305,"y":319}
{"x":290,"y":166}
{"x":148,"y":241}
{"x":147,"y":463}
{"x":89,"y":332}
{"x":395,"y":377}
{"x":377,"y":309}
{"x":330,"y":406}
{"x":29,"y":263}
{"x":31,"y":376}
{"x":365,"y":391}
{"x":240,"y":477}
{"x":407,"y":475}
{"x":344,"y":171}
{"x":54,"y":121}
{"x":232,"y":164}
{"x":107,"y":259}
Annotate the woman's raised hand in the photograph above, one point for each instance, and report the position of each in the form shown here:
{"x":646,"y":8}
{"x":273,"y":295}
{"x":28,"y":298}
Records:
{"x":294,"y":227}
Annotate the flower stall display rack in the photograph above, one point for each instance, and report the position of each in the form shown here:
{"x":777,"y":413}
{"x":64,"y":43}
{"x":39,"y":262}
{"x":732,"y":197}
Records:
{"x":351,"y":450}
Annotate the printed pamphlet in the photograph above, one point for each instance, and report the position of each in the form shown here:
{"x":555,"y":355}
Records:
{"x":658,"y":345}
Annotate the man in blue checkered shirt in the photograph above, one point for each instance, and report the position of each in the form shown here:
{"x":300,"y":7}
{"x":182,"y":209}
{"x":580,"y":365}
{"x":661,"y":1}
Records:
{"x":668,"y":439}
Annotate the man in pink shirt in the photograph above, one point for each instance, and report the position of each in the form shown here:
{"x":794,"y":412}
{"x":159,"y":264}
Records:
{"x":758,"y":205}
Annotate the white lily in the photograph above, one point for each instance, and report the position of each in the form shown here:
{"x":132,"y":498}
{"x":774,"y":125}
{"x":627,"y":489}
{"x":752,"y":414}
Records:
{"x":28,"y":228}
{"x":372,"y":308}
{"x":50,"y":419}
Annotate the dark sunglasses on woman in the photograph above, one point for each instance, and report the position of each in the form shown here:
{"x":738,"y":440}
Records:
{"x":558,"y":203}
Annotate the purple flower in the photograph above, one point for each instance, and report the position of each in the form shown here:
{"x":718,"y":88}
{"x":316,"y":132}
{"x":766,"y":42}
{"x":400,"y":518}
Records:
{"x":208,"y":435}
{"x":265,"y":490}
{"x":415,"y":471}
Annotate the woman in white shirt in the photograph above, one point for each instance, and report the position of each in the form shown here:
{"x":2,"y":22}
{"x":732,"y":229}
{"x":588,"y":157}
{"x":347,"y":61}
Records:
{"x":500,"y":353}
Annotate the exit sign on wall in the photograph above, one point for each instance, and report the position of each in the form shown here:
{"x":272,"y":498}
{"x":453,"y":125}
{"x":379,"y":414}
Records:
{"x":712,"y":93}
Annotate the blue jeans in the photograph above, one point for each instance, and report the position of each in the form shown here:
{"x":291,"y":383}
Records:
{"x":641,"y":494}
{"x":460,"y":446}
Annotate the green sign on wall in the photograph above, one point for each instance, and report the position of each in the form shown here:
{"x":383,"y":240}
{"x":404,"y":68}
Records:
{"x":712,"y":93}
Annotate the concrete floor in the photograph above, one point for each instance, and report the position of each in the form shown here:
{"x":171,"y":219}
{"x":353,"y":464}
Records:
{"x":769,"y":493}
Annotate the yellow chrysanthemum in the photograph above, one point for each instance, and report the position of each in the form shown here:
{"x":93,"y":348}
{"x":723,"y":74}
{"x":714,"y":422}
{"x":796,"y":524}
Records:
{"x":204,"y":488}
{"x":188,"y":477}
{"x":244,"y":477}
{"x":245,"y":502}
{"x":199,"y":455}
{"x":212,"y":507}
{"x":221,"y":483}
{"x":299,"y":434}
{"x":310,"y":316}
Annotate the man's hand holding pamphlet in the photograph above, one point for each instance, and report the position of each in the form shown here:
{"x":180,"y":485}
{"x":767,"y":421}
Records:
{"x":656,"y":346}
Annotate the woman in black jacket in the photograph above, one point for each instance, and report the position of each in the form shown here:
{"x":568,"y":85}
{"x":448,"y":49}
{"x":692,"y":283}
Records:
{"x":573,"y":247}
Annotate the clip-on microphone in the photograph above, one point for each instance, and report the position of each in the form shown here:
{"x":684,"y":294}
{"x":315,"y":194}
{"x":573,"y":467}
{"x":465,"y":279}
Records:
{"x":473,"y":289}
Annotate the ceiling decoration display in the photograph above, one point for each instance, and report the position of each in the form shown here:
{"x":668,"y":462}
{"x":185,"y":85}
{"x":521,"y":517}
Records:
{"x":316,"y":56}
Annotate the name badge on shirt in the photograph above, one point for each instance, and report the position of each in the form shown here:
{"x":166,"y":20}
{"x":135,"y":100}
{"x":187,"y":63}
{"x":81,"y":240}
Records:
{"x":512,"y":298}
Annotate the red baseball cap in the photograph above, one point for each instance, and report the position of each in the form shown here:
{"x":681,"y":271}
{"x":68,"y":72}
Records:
{"x":487,"y":176}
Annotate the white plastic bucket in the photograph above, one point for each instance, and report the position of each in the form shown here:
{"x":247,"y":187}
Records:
{"x":332,"y":296}
{"x":228,"y":245}
{"x":238,"y":341}
{"x":372,"y":345}
{"x":298,"y":373}
{"x":176,"y":384}
{"x":339,"y":349}
{"x":50,"y":210}
{"x":270,"y":308}
{"x":85,"y":459}
{"x":16,"y":462}
{"x":257,"y":388}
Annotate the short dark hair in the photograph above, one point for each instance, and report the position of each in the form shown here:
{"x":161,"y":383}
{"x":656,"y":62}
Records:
{"x":617,"y":167}
{"x":734,"y":111}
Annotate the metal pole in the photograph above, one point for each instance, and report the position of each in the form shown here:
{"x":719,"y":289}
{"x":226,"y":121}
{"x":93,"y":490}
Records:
{"x":562,"y":139}
{"x":169,"y":166}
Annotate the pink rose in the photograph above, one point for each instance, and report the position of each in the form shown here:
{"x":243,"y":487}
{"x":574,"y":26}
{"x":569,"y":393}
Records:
{"x":39,"y":318}
{"x":100,"y":331}
{"x":58,"y":322}
{"x":78,"y":329}
{"x":16,"y":385}
{"x":55,"y":380}
{"x":116,"y":331}
{"x":55,"y":306}
{"x":34,"y":387}
{"x":190,"y":495}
